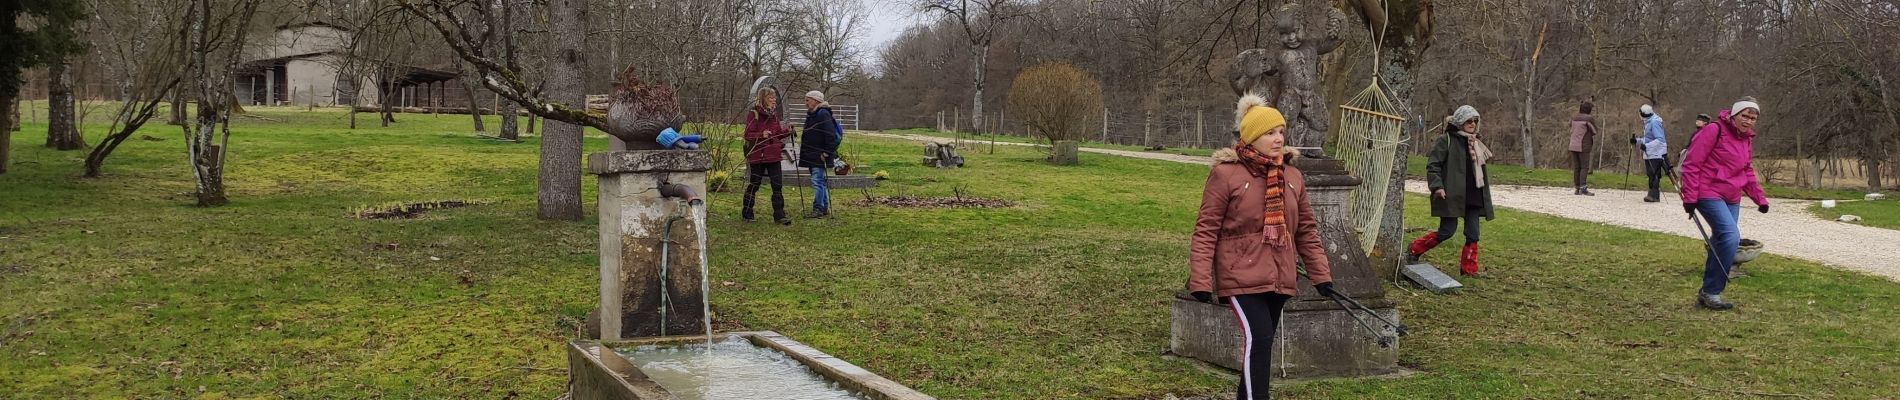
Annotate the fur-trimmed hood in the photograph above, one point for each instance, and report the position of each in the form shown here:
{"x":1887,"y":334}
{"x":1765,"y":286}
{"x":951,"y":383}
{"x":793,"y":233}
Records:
{"x":1229,"y":155}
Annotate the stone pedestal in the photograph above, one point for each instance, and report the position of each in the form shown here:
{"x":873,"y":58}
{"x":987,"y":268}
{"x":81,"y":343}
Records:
{"x":1318,"y":338}
{"x":633,"y":221}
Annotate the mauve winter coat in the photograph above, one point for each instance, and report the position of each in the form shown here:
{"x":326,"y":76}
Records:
{"x":1717,"y":164}
{"x":1231,"y":237}
{"x":1583,"y":132}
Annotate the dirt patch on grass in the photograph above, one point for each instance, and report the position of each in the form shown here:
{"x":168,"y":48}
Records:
{"x":934,"y":202}
{"x":409,"y":210}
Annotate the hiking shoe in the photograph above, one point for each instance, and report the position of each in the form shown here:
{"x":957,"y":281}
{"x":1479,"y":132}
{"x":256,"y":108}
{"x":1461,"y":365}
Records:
{"x":1713,"y":302}
{"x":784,"y":221}
{"x":1651,"y":200}
{"x":816,"y":214}
{"x":1585,"y":191}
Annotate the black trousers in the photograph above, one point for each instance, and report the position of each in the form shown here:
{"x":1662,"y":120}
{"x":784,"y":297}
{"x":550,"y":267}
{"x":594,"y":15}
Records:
{"x":761,"y":172}
{"x":1447,"y":225}
{"x":1581,"y":168}
{"x":1654,"y":167}
{"x":1259,"y":316}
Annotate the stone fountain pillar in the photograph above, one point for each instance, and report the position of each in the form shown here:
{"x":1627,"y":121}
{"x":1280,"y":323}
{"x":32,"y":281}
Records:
{"x":633,"y":221}
{"x":1318,"y":338}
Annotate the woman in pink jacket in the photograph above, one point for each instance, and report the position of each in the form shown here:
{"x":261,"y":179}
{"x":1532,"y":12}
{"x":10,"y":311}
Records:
{"x":1715,"y":174}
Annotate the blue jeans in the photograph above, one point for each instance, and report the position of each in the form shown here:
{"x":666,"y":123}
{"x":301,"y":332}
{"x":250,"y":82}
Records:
{"x":821,"y":194}
{"x":1724,"y":237}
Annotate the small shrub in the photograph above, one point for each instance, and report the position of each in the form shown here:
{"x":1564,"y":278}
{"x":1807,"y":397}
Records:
{"x":882,"y":175}
{"x":1057,"y":101}
{"x":716,"y":180}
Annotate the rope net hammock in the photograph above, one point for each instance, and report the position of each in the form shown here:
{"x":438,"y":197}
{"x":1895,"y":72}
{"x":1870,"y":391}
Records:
{"x":1369,"y":135}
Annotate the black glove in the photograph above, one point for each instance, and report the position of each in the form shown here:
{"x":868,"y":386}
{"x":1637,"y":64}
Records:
{"x":1763,"y":208}
{"x":1326,"y":289}
{"x":1635,"y":142}
{"x":1203,"y":297}
{"x":1689,"y":208}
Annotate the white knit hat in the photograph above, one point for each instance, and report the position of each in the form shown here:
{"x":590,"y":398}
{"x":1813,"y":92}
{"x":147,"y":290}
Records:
{"x":1647,"y":110}
{"x":816,"y":95}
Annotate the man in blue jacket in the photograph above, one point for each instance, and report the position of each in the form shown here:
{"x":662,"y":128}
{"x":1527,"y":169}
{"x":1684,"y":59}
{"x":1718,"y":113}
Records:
{"x":1655,"y":146}
{"x":818,"y":149}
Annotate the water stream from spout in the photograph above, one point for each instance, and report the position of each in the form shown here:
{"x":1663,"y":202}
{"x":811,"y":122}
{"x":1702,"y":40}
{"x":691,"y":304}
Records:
{"x":705,"y":276}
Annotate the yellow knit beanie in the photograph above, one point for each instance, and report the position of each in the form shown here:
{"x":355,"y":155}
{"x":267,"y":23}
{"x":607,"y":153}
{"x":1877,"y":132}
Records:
{"x":1256,"y":119}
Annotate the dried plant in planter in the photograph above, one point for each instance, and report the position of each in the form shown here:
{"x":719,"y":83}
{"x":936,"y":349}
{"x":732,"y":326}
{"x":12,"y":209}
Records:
{"x":638,"y":111}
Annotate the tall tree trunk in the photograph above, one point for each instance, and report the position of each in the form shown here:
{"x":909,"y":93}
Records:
{"x":13,"y":113}
{"x":383,"y":90}
{"x":6,"y":135}
{"x":982,"y":63}
{"x":1524,"y":132}
{"x":62,"y":131}
{"x":1530,"y":93}
{"x":474,"y":110}
{"x":508,"y":112}
{"x":184,"y":57}
{"x":559,"y":194}
{"x":356,"y":95}
{"x":510,"y":121}
{"x":1873,"y":174}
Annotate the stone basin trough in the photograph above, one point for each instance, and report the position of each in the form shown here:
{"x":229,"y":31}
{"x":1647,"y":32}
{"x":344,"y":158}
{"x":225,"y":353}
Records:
{"x":653,"y":288}
{"x":615,"y":370}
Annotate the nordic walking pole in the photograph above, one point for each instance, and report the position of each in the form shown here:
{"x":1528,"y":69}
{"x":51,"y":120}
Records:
{"x":1383,"y":340}
{"x":1342,"y":299}
{"x":1706,"y":245}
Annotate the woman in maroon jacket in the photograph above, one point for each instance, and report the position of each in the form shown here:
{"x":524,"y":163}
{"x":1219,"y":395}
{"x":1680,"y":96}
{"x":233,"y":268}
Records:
{"x":1255,"y":226}
{"x":764,"y":149}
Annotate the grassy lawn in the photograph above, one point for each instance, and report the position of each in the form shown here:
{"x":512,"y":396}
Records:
{"x":1878,"y":213}
{"x":116,"y":287}
{"x":980,"y":137}
{"x":1613,"y":178}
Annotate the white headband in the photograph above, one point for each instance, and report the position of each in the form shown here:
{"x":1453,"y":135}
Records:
{"x":1744,"y":105}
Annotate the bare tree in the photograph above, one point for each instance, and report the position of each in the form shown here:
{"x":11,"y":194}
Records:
{"x":468,"y":38}
{"x":216,"y":37}
{"x":131,"y":43}
{"x":822,"y":45}
{"x":980,"y":21}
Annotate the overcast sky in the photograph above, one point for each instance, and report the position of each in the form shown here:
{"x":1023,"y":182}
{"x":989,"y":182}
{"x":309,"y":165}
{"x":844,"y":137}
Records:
{"x":888,"y":19}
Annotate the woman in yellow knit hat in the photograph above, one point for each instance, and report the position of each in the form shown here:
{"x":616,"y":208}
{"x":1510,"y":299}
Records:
{"x":1254,"y":228}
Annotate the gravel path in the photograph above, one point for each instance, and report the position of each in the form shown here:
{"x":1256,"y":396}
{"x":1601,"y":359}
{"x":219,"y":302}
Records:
{"x":1124,"y":153}
{"x":1799,"y":233}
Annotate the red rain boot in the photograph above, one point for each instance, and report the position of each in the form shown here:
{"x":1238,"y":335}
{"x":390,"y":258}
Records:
{"x":1468,"y":261}
{"x":1422,"y":245}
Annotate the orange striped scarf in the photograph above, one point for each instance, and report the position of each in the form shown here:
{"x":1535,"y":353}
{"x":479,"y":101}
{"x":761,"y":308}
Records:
{"x":1270,"y":167}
